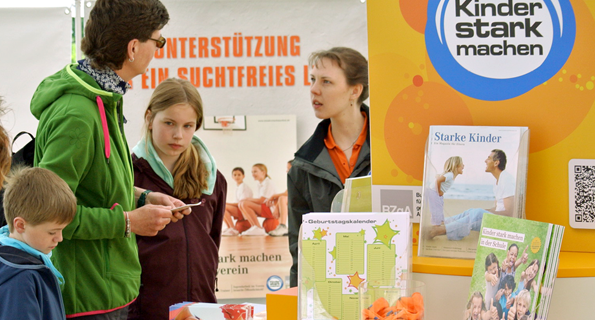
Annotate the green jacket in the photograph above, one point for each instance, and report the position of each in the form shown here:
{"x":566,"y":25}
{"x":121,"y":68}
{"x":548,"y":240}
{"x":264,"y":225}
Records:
{"x":100,"y":266}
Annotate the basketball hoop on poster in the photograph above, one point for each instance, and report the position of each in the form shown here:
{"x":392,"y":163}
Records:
{"x":225,"y":123}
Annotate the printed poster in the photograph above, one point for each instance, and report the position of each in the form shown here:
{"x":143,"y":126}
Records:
{"x":486,"y":63}
{"x":252,"y":266}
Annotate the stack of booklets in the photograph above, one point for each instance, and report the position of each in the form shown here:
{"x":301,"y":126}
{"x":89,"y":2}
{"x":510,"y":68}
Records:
{"x":339,"y":251}
{"x":515,"y":269}
{"x":470,"y":171}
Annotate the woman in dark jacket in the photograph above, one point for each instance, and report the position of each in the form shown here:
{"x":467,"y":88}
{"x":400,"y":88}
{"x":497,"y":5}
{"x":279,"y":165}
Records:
{"x":340,"y":145}
{"x":180,"y":262}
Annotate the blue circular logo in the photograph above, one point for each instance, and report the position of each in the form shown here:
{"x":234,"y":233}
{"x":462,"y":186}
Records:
{"x":274,"y":283}
{"x":498,"y":49}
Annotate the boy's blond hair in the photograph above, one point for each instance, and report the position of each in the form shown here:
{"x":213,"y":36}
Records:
{"x":37,"y":195}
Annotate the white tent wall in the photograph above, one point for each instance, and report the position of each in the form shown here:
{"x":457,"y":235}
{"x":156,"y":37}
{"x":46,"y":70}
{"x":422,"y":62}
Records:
{"x":36,"y":43}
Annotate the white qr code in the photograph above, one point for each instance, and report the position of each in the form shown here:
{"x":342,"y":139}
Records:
{"x":581,"y":193}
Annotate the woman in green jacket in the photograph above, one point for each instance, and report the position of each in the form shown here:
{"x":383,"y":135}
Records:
{"x":81,"y":138}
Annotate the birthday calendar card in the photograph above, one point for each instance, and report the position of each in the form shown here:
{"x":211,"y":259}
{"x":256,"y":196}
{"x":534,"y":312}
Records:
{"x":339,"y":251}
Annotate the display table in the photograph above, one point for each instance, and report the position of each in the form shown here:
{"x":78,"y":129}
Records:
{"x":448,"y":280}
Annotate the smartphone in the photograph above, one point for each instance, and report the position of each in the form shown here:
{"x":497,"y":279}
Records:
{"x":185,"y":206}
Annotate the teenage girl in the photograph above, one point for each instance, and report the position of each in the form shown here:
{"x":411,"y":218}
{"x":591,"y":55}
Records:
{"x":180,"y":262}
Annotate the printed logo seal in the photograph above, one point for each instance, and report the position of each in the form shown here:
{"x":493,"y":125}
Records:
{"x":498,"y":49}
{"x":274,"y":283}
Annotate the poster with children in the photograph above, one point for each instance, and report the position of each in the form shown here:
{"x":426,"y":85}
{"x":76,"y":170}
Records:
{"x":469,"y":171}
{"x":514,"y":270}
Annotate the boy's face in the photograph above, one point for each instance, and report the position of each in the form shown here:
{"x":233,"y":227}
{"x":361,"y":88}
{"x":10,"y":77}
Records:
{"x":237,"y":176}
{"x":521,"y":308}
{"x":43,"y":237}
{"x":507,"y":290}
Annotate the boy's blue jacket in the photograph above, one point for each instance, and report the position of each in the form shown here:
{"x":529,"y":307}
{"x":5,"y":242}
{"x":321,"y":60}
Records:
{"x":28,"y":288}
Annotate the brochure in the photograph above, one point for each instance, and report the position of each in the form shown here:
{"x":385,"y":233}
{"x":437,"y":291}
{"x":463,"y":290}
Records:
{"x":515,"y":269}
{"x":470,"y":171}
{"x":339,"y":251}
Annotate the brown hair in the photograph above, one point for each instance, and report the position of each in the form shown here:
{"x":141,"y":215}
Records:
{"x":37,"y":195}
{"x":190,"y":174}
{"x":353,"y":64}
{"x":5,"y":152}
{"x":113,"y":24}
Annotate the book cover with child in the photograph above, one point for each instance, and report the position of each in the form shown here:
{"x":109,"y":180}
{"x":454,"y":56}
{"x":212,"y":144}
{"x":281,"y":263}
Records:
{"x":515,"y":268}
{"x":469,"y":171}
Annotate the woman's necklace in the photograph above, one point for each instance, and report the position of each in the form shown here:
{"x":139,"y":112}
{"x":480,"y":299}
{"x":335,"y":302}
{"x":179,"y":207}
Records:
{"x":351,"y":146}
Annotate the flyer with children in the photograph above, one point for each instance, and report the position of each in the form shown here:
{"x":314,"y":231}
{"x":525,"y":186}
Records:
{"x":469,"y":171}
{"x":339,"y":251}
{"x":515,"y":268}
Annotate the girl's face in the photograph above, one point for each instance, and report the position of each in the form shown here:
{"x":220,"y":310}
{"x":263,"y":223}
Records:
{"x":172,"y":130}
{"x":476,"y":310}
{"x":493,"y":268}
{"x":521,"y":308}
{"x":258,"y":174}
{"x":460,"y":168}
{"x":238,"y":176}
{"x":512,"y":255}
{"x":531,"y":271}
{"x":329,"y":92}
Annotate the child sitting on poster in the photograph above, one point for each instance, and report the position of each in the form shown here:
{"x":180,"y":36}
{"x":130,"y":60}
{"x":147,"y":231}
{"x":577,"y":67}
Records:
{"x":452,"y":168}
{"x":38,"y":206}
{"x":252,"y":208}
{"x":243,"y":191}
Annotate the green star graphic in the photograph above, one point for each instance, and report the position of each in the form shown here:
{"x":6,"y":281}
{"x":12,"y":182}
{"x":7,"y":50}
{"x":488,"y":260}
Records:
{"x":384,"y":233}
{"x":334,"y":253}
{"x":318,"y":234}
{"x":362,"y":232}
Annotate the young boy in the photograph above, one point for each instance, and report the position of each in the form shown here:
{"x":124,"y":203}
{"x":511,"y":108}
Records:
{"x":38,"y":205}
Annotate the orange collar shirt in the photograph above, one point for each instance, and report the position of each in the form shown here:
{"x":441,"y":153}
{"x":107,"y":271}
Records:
{"x":342,"y":165}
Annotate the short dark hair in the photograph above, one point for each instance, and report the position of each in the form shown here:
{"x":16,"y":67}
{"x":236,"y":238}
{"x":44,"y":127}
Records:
{"x":238,"y":169}
{"x":353,"y":64}
{"x":499,"y":155}
{"x":113,"y":24}
{"x":508,"y":280}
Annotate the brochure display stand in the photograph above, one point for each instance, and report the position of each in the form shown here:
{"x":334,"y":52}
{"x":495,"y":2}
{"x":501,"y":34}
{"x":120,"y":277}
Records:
{"x":337,"y":252}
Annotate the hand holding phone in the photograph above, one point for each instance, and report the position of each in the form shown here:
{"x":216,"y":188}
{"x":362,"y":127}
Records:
{"x":185,"y":206}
